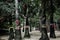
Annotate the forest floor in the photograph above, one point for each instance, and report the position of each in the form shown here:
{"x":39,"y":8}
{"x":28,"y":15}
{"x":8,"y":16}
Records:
{"x":35,"y":35}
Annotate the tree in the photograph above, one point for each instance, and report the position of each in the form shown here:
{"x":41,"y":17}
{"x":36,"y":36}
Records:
{"x":27,"y":22}
{"x":52,"y":10}
{"x":7,"y":8}
{"x":5,"y":12}
{"x":44,"y":35}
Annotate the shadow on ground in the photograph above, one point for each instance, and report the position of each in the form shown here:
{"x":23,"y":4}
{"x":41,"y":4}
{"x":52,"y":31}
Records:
{"x":58,"y":36}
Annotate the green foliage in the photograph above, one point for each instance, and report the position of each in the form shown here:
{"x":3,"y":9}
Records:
{"x":57,"y":15}
{"x":7,"y":8}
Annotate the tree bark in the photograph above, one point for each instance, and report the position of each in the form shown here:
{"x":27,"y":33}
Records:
{"x":11,"y":34}
{"x":27,"y":34}
{"x":52,"y":31}
{"x":44,"y":35}
{"x":18,"y":35}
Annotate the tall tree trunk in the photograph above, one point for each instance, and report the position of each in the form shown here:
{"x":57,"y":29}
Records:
{"x":27,"y":34}
{"x":52,"y":31}
{"x":18,"y":26}
{"x":44,"y":35}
